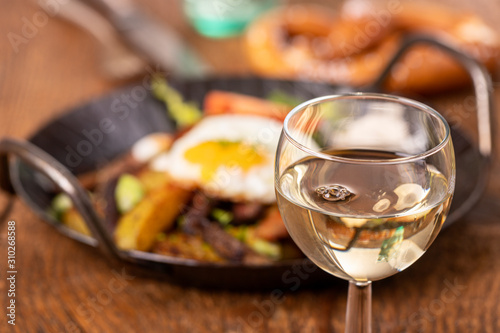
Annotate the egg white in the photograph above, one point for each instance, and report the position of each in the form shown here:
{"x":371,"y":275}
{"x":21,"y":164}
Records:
{"x":228,"y":182}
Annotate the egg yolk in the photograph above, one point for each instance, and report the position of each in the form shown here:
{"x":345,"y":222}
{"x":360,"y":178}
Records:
{"x":211,"y":155}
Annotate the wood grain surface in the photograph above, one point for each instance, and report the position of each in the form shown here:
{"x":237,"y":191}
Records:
{"x":64,"y":286}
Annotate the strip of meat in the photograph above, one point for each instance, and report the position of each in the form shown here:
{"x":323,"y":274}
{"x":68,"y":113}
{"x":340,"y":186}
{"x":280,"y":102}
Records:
{"x":247,"y":212}
{"x":228,"y":247}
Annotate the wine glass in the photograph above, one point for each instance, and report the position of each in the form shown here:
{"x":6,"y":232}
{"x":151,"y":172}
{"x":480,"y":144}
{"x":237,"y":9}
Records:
{"x":364,"y":183}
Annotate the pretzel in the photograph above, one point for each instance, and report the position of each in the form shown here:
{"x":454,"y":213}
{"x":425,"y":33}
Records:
{"x":352,"y":47}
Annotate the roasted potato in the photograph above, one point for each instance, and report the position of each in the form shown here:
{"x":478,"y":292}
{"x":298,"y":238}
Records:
{"x":138,"y":228}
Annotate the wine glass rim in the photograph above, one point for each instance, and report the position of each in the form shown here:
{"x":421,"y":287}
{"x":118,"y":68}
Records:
{"x":363,"y":95}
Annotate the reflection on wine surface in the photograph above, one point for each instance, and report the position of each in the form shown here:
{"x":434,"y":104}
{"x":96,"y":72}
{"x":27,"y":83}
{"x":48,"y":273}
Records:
{"x":391,"y":214}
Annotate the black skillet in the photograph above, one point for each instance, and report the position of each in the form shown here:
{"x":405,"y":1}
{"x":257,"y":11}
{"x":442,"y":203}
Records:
{"x":88,"y":136}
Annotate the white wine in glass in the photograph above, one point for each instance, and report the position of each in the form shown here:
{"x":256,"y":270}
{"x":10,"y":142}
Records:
{"x":364,"y":183}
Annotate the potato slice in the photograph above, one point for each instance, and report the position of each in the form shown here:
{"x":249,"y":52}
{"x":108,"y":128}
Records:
{"x":73,"y":220}
{"x":137,"y":229}
{"x":152,"y":180}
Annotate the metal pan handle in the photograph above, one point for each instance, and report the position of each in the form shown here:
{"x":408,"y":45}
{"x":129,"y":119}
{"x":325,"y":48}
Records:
{"x":65,"y":180}
{"x":483,"y":86}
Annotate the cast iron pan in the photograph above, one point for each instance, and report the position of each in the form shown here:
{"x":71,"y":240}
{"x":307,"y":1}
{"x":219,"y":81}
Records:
{"x":89,"y":136}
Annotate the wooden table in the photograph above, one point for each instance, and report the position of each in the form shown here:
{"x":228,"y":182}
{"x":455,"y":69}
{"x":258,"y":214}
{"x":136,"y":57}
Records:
{"x":64,"y":286}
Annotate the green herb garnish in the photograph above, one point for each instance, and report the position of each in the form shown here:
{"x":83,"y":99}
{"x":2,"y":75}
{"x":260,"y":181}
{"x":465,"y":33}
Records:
{"x":271,"y":250}
{"x":60,"y":204}
{"x":128,"y":192}
{"x":278,"y":96}
{"x":222,"y":216}
{"x":184,"y":113}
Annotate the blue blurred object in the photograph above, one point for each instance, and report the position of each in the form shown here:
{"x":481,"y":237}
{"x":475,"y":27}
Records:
{"x":224,"y":18}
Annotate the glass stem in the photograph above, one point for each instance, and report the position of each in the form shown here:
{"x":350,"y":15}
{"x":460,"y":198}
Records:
{"x":359,"y":308}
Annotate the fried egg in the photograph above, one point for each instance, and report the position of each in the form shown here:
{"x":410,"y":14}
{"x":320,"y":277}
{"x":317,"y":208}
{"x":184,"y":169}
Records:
{"x":227,"y":156}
